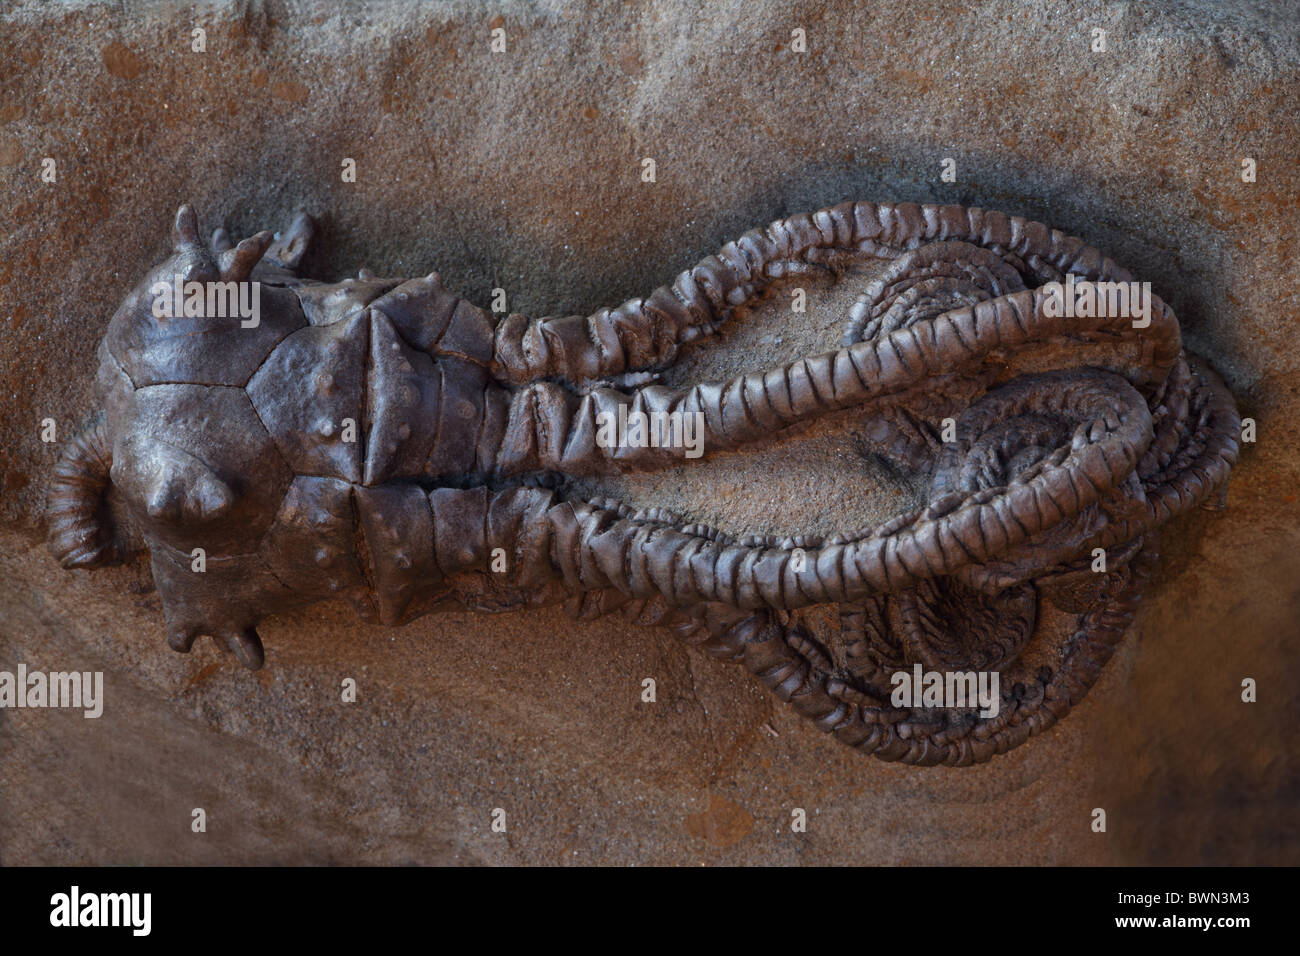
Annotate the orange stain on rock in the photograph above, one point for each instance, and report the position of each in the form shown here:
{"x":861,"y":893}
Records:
{"x":922,"y":83}
{"x":204,"y":673}
{"x":11,"y":152}
{"x":723,"y":824}
{"x":120,"y":61}
{"x":289,"y":91}
{"x":631,"y":63}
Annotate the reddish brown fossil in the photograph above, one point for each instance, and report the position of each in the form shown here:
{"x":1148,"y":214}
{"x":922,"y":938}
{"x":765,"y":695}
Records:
{"x":387,"y":441}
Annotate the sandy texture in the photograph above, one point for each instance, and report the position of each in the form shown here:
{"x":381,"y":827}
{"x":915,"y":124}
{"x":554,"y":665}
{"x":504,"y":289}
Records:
{"x":521,"y":170}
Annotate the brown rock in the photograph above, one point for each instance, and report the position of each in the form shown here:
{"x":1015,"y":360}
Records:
{"x":486,"y":170}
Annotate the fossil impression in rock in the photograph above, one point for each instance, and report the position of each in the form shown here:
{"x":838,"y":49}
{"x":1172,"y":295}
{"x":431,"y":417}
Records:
{"x":386,"y":441}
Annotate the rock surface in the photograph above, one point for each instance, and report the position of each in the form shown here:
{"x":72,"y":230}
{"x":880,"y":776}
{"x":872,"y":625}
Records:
{"x":522,"y":170}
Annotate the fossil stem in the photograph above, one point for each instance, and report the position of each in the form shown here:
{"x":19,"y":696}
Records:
{"x":551,"y":428}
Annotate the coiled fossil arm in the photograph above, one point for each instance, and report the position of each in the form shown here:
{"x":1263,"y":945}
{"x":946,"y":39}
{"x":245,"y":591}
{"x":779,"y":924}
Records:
{"x":78,"y":534}
{"x":643,"y":333}
{"x":551,"y":427}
